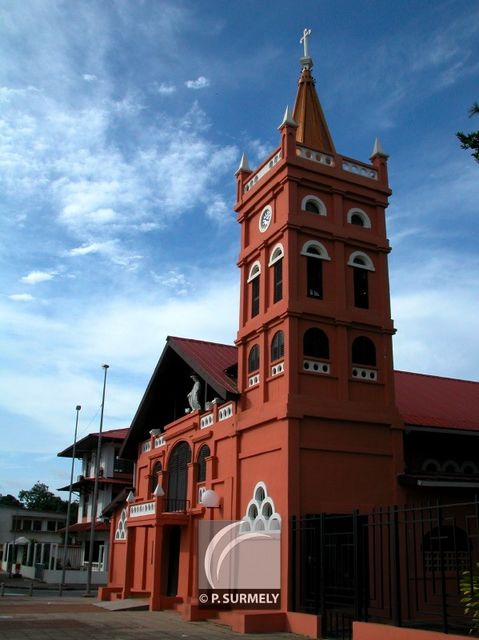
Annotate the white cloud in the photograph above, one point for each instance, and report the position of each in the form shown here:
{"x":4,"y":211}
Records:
{"x":34,"y":277}
{"x":164,"y":88}
{"x":21,"y":297}
{"x":200,"y":83}
{"x":89,"y":77}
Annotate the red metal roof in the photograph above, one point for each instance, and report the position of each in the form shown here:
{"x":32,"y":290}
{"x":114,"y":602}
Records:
{"x":210,"y":359}
{"x":432,"y":401}
{"x":90,"y":442}
{"x":114,"y":434}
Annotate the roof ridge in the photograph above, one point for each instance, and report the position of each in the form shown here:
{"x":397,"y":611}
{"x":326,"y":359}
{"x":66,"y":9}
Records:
{"x":433,"y":375}
{"x":220,"y":344}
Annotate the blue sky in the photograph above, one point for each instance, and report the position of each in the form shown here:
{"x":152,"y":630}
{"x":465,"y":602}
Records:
{"x":121,"y":126}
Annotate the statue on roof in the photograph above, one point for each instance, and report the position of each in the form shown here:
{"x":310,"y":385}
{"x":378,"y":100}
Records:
{"x":194,"y":394}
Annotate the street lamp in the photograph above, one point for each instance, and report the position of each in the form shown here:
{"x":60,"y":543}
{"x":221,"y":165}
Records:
{"x":95,"y":488}
{"x":65,"y":541}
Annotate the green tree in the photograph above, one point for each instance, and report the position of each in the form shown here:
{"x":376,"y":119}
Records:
{"x":10,"y":501}
{"x":41,"y":499}
{"x":471,"y":140}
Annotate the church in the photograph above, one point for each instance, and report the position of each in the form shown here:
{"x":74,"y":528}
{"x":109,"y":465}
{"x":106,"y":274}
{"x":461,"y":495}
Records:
{"x":304,"y":421}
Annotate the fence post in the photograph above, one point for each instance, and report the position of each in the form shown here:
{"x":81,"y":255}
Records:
{"x":2,"y":589}
{"x":443,"y":573}
{"x":395,"y":564}
{"x":30,"y":591}
{"x":357,"y":615}
{"x":322,"y":549}
{"x":294,"y":563}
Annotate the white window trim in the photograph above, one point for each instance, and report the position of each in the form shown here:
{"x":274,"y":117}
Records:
{"x":279,"y":250}
{"x":362,"y":214}
{"x":254,"y":271}
{"x":369,"y":266}
{"x":320,"y":204}
{"x":324,"y":255}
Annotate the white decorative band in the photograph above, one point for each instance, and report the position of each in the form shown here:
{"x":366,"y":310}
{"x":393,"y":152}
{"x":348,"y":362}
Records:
{"x":309,"y":154}
{"x":264,"y":169}
{"x":225,"y":412}
{"x":277,"y":368}
{"x":159,"y":441}
{"x":206,"y":421}
{"x":144,"y":509}
{"x":364,"y":374}
{"x":253,"y":380}
{"x":316,"y":367}
{"x":360,"y":170}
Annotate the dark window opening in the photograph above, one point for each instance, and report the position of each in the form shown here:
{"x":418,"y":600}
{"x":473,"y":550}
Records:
{"x":315,"y":277}
{"x":201,"y":472}
{"x":316,"y":344}
{"x":255,"y":297}
{"x":277,"y":346}
{"x":311,"y":206}
{"x":278,"y":281}
{"x":361,"y":290}
{"x":253,"y":359}
{"x":364,"y":351}
{"x":357,"y":220}
{"x":178,"y":477}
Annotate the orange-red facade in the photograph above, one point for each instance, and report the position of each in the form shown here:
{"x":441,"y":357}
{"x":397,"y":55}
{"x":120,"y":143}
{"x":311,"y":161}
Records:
{"x":305,"y":404}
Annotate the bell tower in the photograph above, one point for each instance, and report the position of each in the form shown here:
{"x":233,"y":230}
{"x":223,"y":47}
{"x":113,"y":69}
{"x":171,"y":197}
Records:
{"x":315,"y":330}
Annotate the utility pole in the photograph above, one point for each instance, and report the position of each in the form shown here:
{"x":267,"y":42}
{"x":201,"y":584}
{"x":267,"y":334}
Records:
{"x":65,"y":540}
{"x":95,"y":489}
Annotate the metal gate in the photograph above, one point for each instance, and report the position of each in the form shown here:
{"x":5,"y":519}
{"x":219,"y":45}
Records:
{"x":399,"y":566}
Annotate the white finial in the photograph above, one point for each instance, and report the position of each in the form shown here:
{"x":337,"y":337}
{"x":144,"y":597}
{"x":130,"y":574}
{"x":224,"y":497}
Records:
{"x":304,"y":41}
{"x":243,"y":165}
{"x":288,"y":119}
{"x":378,"y":149}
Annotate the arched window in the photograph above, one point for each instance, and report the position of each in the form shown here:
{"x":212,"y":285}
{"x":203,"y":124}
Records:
{"x":154,"y":475}
{"x":314,"y":205}
{"x":361,"y":264}
{"x":276,"y":261}
{"x":253,"y":279}
{"x":364,"y":351}
{"x":201,"y":470}
{"x":315,"y":253}
{"x":315,"y":344}
{"x":177,"y":477}
{"x":253,"y":359}
{"x":359,"y":218}
{"x":277,"y":346}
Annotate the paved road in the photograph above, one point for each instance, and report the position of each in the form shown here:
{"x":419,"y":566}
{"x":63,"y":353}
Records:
{"x":77,"y":618}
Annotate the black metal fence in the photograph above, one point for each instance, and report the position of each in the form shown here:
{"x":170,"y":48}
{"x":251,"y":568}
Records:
{"x":400,"y":566}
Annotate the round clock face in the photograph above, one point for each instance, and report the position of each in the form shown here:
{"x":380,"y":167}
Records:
{"x":265,"y":219}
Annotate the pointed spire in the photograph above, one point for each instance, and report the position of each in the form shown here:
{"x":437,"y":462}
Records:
{"x":378,"y":150}
{"x":243,"y":165}
{"x":312,"y":128}
{"x":288,"y":119}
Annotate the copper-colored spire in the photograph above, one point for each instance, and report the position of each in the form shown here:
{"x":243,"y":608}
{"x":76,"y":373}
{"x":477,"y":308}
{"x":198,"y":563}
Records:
{"x":312,"y":128}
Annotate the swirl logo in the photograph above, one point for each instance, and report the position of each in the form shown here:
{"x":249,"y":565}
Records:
{"x":245,"y":554}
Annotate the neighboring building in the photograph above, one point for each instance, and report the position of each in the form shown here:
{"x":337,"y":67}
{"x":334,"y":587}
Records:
{"x":29,"y":538}
{"x":114,"y":475}
{"x":305,"y":419}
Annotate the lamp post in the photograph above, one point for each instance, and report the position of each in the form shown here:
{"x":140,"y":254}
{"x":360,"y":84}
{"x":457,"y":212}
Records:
{"x":65,"y":541}
{"x":95,"y":489}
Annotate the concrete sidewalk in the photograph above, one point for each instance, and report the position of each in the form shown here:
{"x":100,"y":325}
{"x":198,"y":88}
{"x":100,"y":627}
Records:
{"x":76,"y":618}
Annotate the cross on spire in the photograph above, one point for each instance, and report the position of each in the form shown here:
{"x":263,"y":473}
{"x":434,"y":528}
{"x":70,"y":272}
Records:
{"x":304,"y":41}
